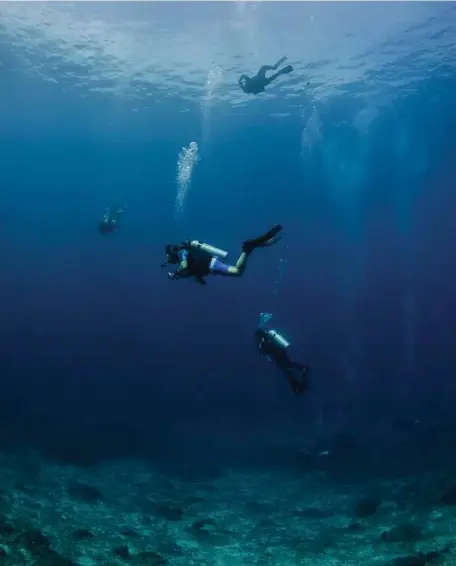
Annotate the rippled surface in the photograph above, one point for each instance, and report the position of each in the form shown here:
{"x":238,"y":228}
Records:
{"x":375,"y":50}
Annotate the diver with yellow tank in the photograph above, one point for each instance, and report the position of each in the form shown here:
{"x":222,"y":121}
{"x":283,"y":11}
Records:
{"x":274,"y":346}
{"x":198,"y":259}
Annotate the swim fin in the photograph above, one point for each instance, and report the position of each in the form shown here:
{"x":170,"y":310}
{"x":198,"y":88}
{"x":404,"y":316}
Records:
{"x":286,"y":70}
{"x":298,"y":377}
{"x":266,"y":240}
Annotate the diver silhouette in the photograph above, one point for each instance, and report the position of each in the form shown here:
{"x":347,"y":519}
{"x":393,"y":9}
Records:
{"x":275,"y":346}
{"x":257,"y":84}
{"x":110,"y":220}
{"x":198,"y":259}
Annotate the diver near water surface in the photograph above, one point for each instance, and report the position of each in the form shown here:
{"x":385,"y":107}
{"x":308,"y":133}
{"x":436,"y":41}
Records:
{"x":274,"y":346}
{"x":257,"y":84}
{"x":197,"y":259}
{"x":110,"y":220}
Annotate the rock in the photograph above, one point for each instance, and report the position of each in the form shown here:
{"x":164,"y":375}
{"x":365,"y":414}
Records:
{"x":421,"y":559}
{"x":170,"y":513}
{"x":37,"y":543}
{"x":6,"y":529}
{"x":449,"y":497}
{"x":367,"y":507}
{"x":204,"y":524}
{"x":353,"y":527}
{"x":130,"y":533}
{"x":55,"y":559}
{"x":122,"y":552}
{"x":82,"y":534}
{"x":312,"y":513}
{"x":84,"y":492}
{"x":150,"y":558}
{"x":403,"y":533}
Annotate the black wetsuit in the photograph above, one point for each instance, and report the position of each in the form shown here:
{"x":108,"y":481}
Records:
{"x":200,"y":264}
{"x":296,"y":373}
{"x":110,"y":221}
{"x":106,"y":227}
{"x":257,"y":84}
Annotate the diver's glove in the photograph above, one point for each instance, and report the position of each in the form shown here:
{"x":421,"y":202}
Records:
{"x":178,"y":274}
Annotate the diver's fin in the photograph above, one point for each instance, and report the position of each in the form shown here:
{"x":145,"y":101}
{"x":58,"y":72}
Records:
{"x":280,"y":61}
{"x":268,"y":239}
{"x":270,"y":242}
{"x":286,"y":70}
{"x":298,"y":377}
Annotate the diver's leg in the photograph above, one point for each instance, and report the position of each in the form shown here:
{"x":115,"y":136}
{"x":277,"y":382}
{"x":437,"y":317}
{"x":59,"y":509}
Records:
{"x":118,"y":212}
{"x":263,"y":69}
{"x":237,"y":270}
{"x":271,"y":78}
{"x":284,"y":71}
{"x":241,"y":264}
{"x":219,"y":268}
{"x":279,"y":62}
{"x":297,"y":375}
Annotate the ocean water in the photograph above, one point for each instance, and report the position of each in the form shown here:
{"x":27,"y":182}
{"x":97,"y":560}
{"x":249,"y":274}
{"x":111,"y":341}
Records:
{"x":138,"y":422}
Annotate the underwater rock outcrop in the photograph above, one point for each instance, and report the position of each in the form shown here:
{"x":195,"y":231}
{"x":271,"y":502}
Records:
{"x":403,"y":533}
{"x":366,"y":507}
{"x":84,"y":492}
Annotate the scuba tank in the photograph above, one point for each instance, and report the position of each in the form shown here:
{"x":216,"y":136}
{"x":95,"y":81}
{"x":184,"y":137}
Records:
{"x":268,"y":337}
{"x":277,"y":340}
{"x":199,"y":259}
{"x":208,"y":249}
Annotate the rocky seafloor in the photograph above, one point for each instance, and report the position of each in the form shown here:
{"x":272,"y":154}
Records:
{"x":125,"y":512}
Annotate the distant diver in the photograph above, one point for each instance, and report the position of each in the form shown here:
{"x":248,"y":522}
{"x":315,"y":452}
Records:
{"x":275,"y":346}
{"x":197,"y":259}
{"x":257,"y":84}
{"x":110,"y":220}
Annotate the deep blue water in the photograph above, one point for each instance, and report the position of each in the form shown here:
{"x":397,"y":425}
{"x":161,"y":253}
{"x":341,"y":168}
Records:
{"x":102,"y":356}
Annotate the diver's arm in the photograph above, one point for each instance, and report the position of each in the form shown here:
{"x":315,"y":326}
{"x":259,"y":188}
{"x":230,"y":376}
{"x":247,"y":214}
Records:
{"x":181,"y":271}
{"x":265,"y":317}
{"x":183,"y":265}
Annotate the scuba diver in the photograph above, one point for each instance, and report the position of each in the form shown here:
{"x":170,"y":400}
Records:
{"x":275,"y":346}
{"x":257,"y":84}
{"x":197,"y":259}
{"x":110,"y":220}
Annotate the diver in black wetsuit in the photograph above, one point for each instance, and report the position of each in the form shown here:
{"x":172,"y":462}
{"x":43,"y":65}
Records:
{"x":197,"y":259}
{"x":275,"y":346}
{"x":110,"y":220}
{"x":257,"y":84}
